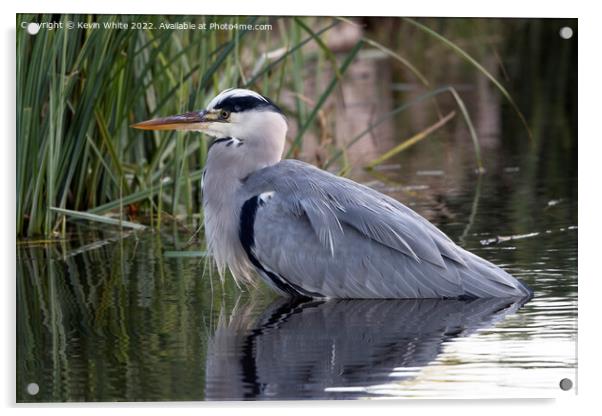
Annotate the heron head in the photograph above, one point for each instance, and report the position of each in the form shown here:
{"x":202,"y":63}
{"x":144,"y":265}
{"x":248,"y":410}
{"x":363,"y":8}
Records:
{"x":239,"y":113}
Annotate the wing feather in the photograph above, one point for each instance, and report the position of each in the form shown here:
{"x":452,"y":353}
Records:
{"x":335,"y":237}
{"x":328,"y":200}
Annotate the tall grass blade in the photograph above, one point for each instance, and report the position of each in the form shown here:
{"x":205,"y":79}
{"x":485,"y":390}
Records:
{"x":471,"y":129}
{"x":285,"y":55}
{"x":477,"y":65}
{"x":348,"y":59}
{"x":381,"y":120}
{"x":411,"y":141}
{"x":98,"y":218}
{"x":143,"y":194}
{"x":184,"y":254}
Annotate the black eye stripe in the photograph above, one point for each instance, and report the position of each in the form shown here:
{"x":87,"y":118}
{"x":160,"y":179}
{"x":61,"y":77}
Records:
{"x":244,"y":103}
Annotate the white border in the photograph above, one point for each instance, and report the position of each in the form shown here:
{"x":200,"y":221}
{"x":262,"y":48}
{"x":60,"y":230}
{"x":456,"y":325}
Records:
{"x":457,"y":8}
{"x":590,"y":150}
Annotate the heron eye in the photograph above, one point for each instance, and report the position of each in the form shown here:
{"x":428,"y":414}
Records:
{"x":224,"y":114}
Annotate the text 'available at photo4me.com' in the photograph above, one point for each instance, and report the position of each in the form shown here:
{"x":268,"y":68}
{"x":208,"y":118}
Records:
{"x":34,"y":27}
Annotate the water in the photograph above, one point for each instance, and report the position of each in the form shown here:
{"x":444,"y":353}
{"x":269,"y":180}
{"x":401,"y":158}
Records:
{"x":105,"y":316}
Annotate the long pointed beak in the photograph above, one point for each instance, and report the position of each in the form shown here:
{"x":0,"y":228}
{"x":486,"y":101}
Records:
{"x":187,"y":121}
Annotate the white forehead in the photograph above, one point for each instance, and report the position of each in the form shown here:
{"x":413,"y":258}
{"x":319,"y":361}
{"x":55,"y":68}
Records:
{"x":231,"y":93}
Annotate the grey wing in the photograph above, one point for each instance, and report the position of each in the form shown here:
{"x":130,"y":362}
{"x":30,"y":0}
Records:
{"x":317,"y":234}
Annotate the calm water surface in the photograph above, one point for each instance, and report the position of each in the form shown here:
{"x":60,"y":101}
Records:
{"x":105,"y":316}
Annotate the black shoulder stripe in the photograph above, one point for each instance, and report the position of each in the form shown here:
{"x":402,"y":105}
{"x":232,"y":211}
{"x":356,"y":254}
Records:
{"x":246,"y":231}
{"x":246,"y":235}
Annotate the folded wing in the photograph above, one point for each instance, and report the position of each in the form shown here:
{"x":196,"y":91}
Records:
{"x":332,"y":237}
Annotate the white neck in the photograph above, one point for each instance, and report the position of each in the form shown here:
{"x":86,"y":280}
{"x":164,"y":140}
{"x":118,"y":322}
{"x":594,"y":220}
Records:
{"x":257,"y":142}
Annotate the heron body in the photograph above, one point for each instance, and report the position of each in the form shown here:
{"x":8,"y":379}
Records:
{"x":309,"y":233}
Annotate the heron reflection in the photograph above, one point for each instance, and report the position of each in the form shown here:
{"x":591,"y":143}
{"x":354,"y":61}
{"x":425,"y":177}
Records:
{"x":323,"y":349}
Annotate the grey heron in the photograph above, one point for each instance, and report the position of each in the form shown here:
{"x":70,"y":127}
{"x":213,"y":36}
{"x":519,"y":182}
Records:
{"x":309,"y":233}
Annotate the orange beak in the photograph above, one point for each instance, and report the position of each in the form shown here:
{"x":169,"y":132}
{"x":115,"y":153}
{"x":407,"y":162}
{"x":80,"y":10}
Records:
{"x":188,"y":121}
